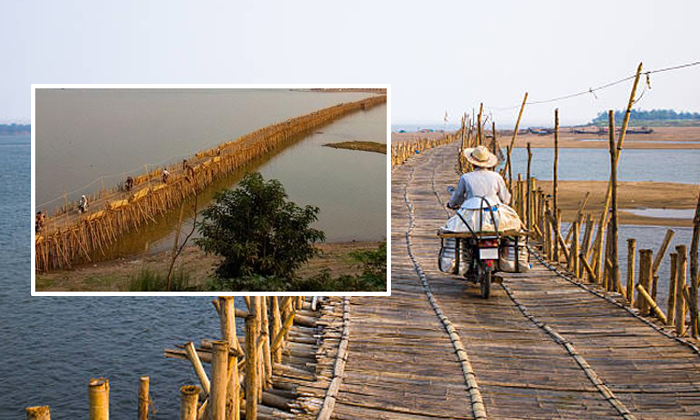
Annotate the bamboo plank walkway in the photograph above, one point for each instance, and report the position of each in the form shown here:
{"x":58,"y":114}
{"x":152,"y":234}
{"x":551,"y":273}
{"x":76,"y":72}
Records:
{"x":540,"y":348}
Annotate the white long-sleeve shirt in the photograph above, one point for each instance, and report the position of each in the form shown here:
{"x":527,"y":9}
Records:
{"x":480,"y":183}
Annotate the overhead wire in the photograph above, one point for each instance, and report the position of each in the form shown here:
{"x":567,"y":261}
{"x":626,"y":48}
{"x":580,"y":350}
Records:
{"x":602,"y":87}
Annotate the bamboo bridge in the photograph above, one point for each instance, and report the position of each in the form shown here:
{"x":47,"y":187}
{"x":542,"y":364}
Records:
{"x":552,"y":343}
{"x":69,"y":238}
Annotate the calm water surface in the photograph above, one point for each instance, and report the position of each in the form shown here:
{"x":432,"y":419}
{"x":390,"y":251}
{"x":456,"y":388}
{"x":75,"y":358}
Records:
{"x":594,"y":164}
{"x":51,"y":347}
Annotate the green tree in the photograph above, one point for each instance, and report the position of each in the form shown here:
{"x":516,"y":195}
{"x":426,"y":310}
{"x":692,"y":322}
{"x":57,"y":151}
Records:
{"x":257,"y":231}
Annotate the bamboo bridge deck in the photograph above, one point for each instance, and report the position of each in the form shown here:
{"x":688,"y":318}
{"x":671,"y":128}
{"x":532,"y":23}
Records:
{"x":540,"y":347}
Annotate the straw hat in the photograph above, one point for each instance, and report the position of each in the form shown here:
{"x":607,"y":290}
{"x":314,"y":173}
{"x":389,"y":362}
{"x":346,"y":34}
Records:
{"x":480,"y":156}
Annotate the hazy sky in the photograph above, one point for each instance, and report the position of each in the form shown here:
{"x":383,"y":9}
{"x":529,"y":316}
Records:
{"x":438,"y":56}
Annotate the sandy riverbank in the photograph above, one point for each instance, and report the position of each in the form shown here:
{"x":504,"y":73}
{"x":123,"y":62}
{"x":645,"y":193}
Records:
{"x":661,"y":138}
{"x":115,"y":275}
{"x":365,"y":146}
{"x":631,"y":195}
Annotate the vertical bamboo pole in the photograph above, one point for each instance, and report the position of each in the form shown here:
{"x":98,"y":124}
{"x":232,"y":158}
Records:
{"x":479,"y":133}
{"x":267,"y":356}
{"x":228,"y":334}
{"x":276,"y":326}
{"x":671,"y":305}
{"x":694,"y":270}
{"x":631,"y":246}
{"x":515,"y":135}
{"x":644,"y":278}
{"x":189,"y":394}
{"x":555,"y":182}
{"x":575,"y":268}
{"x":681,"y":267}
{"x":615,"y":271}
{"x":38,"y":413}
{"x":98,"y":392}
{"x":598,"y":247}
{"x":251,"y":360}
{"x":219,"y":376}
{"x":528,"y":196}
{"x":143,"y":397}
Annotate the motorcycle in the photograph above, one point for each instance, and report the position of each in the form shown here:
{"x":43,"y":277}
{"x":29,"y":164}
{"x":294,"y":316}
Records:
{"x":475,"y":253}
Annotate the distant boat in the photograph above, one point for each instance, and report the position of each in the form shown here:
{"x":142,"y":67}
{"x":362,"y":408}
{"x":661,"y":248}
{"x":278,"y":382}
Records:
{"x":540,"y":131}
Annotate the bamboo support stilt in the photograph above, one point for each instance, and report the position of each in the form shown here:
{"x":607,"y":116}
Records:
{"x":38,"y":413}
{"x":645,"y":256}
{"x":98,"y":392}
{"x":631,"y":246}
{"x":671,"y":303}
{"x":144,"y":398}
{"x":189,"y":396}
{"x":681,"y":267}
{"x":219,"y":376}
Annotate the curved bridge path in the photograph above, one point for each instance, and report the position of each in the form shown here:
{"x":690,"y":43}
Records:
{"x":542,"y":347}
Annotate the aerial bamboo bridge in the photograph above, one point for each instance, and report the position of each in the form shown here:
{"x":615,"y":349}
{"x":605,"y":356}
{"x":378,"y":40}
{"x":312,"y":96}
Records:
{"x":68,"y":238}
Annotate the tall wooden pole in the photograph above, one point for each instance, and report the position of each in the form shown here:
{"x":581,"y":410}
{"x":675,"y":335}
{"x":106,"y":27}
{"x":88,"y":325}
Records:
{"x":555,"y":182}
{"x":528,"y":194}
{"x":694,"y":270}
{"x":681,"y":267}
{"x":219,"y":376}
{"x":631,"y":246}
{"x":515,"y":132}
{"x":615,"y":272}
{"x":479,"y":131}
{"x":251,"y":360}
{"x":671,"y":304}
{"x":598,"y":244}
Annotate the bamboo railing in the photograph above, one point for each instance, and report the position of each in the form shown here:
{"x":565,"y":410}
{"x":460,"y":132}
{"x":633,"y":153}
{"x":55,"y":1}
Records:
{"x":401,"y":151}
{"x":67,"y":240}
{"x":241,"y":367}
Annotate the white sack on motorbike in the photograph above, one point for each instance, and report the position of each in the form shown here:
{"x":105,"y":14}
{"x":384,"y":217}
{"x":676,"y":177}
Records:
{"x":505,"y":219}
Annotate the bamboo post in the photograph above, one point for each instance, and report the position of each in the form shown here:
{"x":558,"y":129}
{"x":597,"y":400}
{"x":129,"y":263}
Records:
{"x":631,"y":246}
{"x":671,"y":305}
{"x":615,"y":271}
{"x":479,"y":133}
{"x":38,"y":413}
{"x":555,"y":182}
{"x":681,"y":266}
{"x":598,"y":247}
{"x":649,"y":301}
{"x":558,"y":240}
{"x":694,"y":269}
{"x":197,"y":366}
{"x":574,"y":251}
{"x":251,"y":360}
{"x":528,"y":194}
{"x":144,"y":384}
{"x":219,"y":376}
{"x":228,"y":334}
{"x":644,"y":278}
{"x":579,"y":214}
{"x":266,"y":354}
{"x":276,"y":326}
{"x":508,"y":168}
{"x":189,"y":395}
{"x":98,"y":392}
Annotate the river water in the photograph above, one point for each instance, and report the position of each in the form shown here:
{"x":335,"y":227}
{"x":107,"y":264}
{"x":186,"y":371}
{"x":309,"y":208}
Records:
{"x":594,"y":164}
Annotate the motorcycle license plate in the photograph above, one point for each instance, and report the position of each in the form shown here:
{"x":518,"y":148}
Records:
{"x":488,"y":253}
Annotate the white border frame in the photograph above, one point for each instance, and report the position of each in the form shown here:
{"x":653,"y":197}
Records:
{"x":34,"y":87}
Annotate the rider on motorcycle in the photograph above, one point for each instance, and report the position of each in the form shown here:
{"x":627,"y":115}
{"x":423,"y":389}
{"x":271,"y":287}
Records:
{"x":482,"y":181}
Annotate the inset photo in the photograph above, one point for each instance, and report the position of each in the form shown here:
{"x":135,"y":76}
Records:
{"x":199,"y":189}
